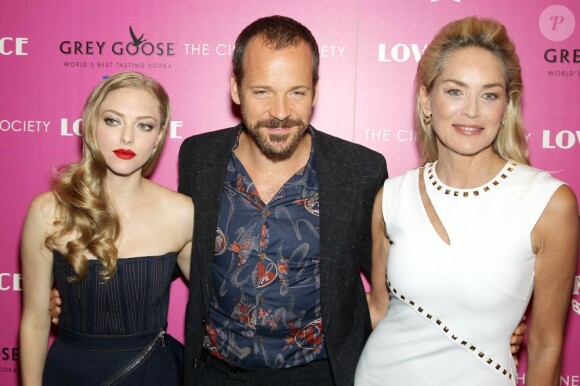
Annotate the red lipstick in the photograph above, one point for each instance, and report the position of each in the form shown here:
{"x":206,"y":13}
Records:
{"x":124,"y":153}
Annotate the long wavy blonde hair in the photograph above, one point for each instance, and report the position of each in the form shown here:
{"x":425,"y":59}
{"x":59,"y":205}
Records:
{"x":492,"y":36}
{"x":82,"y":205}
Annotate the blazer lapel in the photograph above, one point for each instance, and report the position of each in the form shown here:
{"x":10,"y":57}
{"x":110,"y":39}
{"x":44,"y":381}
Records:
{"x":209,"y":182}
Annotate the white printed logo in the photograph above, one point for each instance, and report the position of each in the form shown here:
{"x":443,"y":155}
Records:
{"x":576,"y":303}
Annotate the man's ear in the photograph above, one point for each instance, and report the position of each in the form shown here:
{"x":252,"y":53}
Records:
{"x":234,"y":92}
{"x":315,"y":98}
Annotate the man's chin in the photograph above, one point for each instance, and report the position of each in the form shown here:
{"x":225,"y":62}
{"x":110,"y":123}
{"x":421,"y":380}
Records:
{"x":276,"y":152}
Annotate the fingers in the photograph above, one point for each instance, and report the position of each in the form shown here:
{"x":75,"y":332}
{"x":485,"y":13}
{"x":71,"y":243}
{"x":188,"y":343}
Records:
{"x":521,"y":329}
{"x":516,"y":340}
{"x":54,"y":306}
{"x":54,"y":315}
{"x":55,"y":312}
{"x":515,"y":343}
{"x":54,"y":295}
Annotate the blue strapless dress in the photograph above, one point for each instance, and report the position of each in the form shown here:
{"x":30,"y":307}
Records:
{"x":113,"y":333}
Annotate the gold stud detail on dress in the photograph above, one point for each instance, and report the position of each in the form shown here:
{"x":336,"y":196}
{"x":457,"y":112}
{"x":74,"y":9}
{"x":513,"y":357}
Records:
{"x":478,"y":354}
{"x":456,"y":193}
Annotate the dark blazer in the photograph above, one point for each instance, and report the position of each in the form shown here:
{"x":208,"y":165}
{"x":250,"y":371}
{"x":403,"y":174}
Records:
{"x":350,"y":176}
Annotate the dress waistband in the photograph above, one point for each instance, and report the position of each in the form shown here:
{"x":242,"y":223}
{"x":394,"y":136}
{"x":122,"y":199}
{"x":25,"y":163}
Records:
{"x":107,"y":342}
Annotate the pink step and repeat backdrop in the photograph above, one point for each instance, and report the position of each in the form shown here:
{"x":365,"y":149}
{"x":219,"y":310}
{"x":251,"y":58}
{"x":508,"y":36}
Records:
{"x":53,"y":53}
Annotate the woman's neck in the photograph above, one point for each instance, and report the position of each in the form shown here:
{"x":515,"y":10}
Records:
{"x":465,"y":172}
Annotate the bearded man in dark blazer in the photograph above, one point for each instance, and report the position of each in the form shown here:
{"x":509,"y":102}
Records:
{"x":282,"y":227}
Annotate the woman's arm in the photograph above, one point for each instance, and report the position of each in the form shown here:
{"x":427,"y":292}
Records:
{"x":184,"y":208}
{"x":184,"y":260}
{"x":555,"y":241}
{"x":37,"y":281}
{"x":378,"y":298}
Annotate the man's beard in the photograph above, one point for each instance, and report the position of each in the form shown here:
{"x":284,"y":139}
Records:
{"x":266,"y":141}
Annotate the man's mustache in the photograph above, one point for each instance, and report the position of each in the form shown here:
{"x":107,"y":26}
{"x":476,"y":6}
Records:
{"x":279,"y":124}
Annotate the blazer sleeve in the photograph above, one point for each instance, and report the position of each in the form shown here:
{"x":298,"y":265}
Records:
{"x":382,"y":174}
{"x":186,"y":168}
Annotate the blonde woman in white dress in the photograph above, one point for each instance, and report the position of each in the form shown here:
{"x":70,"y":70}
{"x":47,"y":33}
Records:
{"x":472,"y":233}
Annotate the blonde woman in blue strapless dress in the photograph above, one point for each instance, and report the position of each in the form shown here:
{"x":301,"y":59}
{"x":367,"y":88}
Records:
{"x":110,"y":239}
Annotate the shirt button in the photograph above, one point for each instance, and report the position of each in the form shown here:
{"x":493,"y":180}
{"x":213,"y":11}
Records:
{"x":267,"y":212}
{"x":261,"y":340}
{"x":263,"y":255}
{"x":261,"y":300}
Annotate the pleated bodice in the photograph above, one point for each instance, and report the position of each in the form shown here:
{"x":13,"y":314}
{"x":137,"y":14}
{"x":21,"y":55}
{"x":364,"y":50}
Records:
{"x":135,"y":300}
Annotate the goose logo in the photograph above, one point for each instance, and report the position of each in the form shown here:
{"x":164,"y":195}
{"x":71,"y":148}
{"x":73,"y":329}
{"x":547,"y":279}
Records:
{"x":136,"y":41}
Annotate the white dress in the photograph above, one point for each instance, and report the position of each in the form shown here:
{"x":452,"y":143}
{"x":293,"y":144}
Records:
{"x":454,"y":307}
